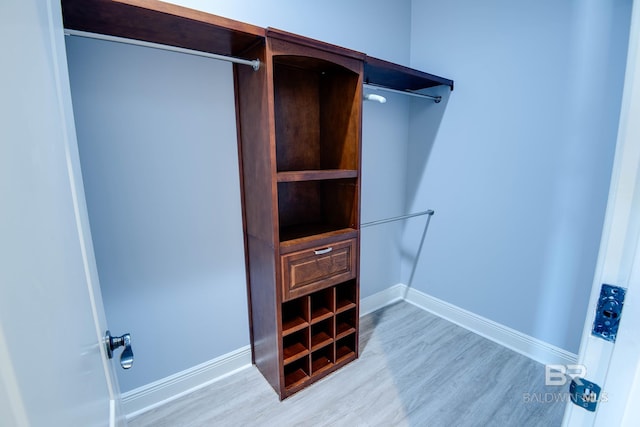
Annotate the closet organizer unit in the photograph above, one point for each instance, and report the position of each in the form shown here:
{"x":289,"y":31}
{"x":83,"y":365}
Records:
{"x":299,"y":125}
{"x":299,"y":121}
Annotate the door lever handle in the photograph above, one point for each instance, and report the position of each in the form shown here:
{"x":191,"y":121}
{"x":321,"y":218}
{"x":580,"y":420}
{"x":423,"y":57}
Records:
{"x":126,"y":358}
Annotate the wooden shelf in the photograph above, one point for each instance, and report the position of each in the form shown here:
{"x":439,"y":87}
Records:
{"x":344,"y":305}
{"x":320,"y":314}
{"x":164,"y":23}
{"x":320,"y":364}
{"x":344,"y":330}
{"x":294,"y":352}
{"x":345,"y":348}
{"x":301,"y":233}
{"x":320,"y":340}
{"x":316,"y":175}
{"x":298,"y":237}
{"x":343,"y":353}
{"x":346,"y":297}
{"x":293,"y":325}
{"x":345,"y":323}
{"x":394,"y":76}
{"x":295,"y":378}
{"x":295,"y":315}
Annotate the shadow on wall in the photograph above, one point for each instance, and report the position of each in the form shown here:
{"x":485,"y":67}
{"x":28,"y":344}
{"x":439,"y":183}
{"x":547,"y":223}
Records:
{"x":385,"y":165}
{"x":425,"y":118}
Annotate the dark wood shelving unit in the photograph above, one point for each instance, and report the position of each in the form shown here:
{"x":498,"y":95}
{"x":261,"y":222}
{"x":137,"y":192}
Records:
{"x":300,"y":157}
{"x":299,"y":119}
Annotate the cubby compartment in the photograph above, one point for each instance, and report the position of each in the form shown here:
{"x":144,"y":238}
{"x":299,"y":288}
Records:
{"x":316,"y":126}
{"x":322,"y":334}
{"x":308,"y":208}
{"x":295,"y":315}
{"x":345,"y":348}
{"x":321,"y":360}
{"x":296,"y":373}
{"x":295,"y":346}
{"x":345,"y":323}
{"x":322,"y":305}
{"x":346,"y":296}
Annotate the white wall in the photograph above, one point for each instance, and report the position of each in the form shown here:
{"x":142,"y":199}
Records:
{"x":378,"y":28}
{"x":519,"y":171}
{"x":157,"y":140}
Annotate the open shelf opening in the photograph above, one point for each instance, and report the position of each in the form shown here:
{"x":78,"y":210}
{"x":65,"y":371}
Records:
{"x":296,"y":373}
{"x":346,"y":323}
{"x":322,"y":334}
{"x":345,"y":348}
{"x":316,"y":119}
{"x":322,"y":360}
{"x":322,"y":305}
{"x":346,"y":296}
{"x":295,"y":346}
{"x":295,"y":315}
{"x":307,"y":208}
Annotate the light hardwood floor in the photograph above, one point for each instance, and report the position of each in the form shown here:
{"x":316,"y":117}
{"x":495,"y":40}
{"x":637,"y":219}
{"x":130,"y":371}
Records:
{"x":415,"y":369}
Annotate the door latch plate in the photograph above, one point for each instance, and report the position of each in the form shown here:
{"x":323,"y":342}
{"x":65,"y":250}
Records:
{"x":608,"y":312}
{"x":584,"y":393}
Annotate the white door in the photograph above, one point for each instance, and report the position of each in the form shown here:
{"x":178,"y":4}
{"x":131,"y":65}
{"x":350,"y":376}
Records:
{"x":616,"y":367}
{"x":53,"y":366}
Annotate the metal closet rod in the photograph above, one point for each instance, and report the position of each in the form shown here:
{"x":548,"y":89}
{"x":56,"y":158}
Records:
{"x":396,"y":218}
{"x":437,"y":98}
{"x":255,"y":64}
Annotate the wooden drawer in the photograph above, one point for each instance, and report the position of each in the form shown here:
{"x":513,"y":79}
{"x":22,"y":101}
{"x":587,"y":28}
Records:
{"x":315,"y":268}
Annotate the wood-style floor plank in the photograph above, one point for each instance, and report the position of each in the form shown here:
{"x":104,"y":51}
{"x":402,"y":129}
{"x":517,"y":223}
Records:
{"x":415,"y":369}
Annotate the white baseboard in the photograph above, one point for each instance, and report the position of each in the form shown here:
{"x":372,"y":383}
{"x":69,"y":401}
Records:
{"x":157,"y":393}
{"x":381,"y":299}
{"x":531,"y":347}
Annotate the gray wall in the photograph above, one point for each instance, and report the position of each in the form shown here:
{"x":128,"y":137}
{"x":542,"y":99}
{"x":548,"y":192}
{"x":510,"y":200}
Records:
{"x":519,"y":171}
{"x":157,"y":139}
{"x":385,"y":132}
{"x":156,"y":135}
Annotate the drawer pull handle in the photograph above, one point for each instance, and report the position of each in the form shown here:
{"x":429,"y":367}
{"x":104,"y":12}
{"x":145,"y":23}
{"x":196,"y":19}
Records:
{"x":323,"y":251}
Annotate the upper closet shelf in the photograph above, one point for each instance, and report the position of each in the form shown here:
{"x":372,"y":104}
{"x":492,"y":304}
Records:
{"x":167,"y":24}
{"x":387,"y":74}
{"x":162,"y":23}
